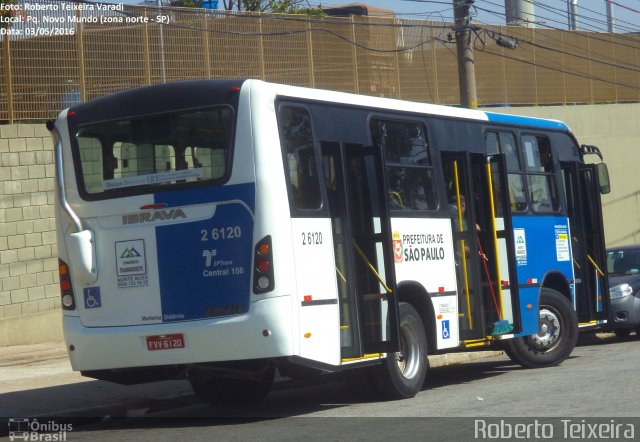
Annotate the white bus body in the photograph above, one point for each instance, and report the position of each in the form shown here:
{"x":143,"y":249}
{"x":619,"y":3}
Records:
{"x":163,"y":249}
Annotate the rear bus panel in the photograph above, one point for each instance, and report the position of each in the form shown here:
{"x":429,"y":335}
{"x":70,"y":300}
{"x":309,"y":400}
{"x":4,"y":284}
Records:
{"x":175,"y":263}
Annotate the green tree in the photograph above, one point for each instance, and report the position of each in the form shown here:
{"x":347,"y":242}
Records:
{"x":6,"y":13}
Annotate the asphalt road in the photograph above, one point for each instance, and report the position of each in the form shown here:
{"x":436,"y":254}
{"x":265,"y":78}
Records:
{"x":594,"y":393}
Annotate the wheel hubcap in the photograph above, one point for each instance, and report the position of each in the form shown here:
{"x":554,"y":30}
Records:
{"x":408,"y":356}
{"x":549,"y":329}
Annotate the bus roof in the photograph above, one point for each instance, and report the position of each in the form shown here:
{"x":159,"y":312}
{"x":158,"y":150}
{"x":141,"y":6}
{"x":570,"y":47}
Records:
{"x":194,"y":93}
{"x":411,"y":106}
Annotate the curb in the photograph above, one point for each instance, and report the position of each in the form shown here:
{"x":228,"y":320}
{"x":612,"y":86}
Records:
{"x":461,"y":358}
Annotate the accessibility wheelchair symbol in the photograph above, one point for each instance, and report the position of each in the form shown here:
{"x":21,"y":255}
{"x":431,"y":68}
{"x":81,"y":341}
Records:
{"x":446,"y":334}
{"x":92,"y":297}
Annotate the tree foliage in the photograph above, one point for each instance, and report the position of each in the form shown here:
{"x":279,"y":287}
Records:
{"x":6,"y":13}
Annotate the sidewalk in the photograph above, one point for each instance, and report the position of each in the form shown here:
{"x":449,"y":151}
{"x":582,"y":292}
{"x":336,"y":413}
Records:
{"x":37,"y":380}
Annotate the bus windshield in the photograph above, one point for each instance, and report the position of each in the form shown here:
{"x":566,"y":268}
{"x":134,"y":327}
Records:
{"x":150,"y":152}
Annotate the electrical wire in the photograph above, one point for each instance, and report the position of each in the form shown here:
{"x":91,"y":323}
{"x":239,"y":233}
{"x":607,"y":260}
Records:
{"x":563,"y":71}
{"x":628,"y":8}
{"x":602,"y":21}
{"x":570,"y":54}
{"x":560,"y":12}
{"x":423,"y":41}
{"x":590,"y":36}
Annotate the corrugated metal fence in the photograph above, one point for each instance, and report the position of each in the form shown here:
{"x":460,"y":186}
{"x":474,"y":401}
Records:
{"x":58,"y":55}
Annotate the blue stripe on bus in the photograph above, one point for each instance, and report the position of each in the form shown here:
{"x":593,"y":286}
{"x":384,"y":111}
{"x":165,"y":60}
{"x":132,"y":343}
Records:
{"x":542,"y":245}
{"x":518,"y":120}
{"x":204,"y":266}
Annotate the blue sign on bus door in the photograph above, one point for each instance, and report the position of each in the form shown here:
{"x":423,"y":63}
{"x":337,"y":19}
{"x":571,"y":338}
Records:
{"x":446,"y":334}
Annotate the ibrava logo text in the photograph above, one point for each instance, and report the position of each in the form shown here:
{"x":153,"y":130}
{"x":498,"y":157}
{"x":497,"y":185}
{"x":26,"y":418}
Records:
{"x":149,"y":217}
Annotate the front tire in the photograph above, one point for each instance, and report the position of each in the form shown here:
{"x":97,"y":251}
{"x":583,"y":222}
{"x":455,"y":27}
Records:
{"x":402,"y":374}
{"x":557,"y":334}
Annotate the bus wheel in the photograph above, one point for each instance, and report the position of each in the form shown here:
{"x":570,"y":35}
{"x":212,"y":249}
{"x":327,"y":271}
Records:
{"x":222,"y":391}
{"x":557,"y":334}
{"x":402,"y":374}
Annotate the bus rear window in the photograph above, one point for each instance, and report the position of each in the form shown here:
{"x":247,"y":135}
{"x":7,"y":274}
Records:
{"x":155,"y":151}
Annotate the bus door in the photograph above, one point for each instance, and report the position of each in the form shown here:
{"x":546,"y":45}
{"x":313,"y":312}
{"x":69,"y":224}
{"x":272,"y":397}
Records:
{"x":457,"y":174}
{"x":503,"y":237}
{"x":483,"y":248}
{"x":587,"y":241}
{"x":354,"y":181}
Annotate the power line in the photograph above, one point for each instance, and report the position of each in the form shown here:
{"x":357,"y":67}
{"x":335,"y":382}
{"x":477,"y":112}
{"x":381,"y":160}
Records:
{"x":586,"y":20}
{"x":419,"y":44}
{"x":624,"y":7}
{"x":562,"y":13}
{"x":563,"y":71}
{"x":582,"y":57}
{"x":591,"y":36}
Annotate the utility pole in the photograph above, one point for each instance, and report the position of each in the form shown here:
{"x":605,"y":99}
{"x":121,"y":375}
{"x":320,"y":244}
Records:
{"x":466,"y":63}
{"x":610,"y":19}
{"x":572,"y":6}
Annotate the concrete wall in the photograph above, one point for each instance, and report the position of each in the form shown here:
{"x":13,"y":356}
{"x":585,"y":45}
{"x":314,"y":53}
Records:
{"x":29,"y":294}
{"x":28,"y":254}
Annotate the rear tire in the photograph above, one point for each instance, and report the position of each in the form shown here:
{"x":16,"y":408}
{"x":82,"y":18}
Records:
{"x":224,"y":391}
{"x":402,"y":374}
{"x":557,"y":334}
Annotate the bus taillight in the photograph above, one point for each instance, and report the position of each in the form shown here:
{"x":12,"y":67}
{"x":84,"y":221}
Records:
{"x":263,"y":266}
{"x":66,"y":289}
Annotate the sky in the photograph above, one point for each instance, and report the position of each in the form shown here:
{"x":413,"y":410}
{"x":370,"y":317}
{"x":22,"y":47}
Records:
{"x":592,"y":13}
{"x":551,"y":13}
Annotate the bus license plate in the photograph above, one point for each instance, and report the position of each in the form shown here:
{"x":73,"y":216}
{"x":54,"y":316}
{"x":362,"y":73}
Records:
{"x":165,"y":342}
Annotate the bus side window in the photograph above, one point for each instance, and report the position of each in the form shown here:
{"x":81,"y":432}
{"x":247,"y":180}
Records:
{"x":540,"y":179}
{"x":299,"y":158}
{"x":505,"y":142}
{"x":492,"y":143}
{"x":407,"y":164}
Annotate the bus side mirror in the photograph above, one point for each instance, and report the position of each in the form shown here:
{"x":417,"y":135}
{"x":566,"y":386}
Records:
{"x":82,"y":256}
{"x":603,"y":178}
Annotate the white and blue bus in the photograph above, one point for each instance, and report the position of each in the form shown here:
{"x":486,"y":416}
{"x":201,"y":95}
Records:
{"x":224,"y":230}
